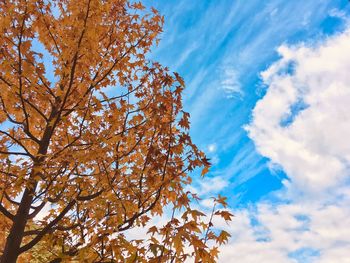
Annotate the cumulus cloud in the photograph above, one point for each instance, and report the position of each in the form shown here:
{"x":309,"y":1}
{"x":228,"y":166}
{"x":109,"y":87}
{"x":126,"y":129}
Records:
{"x":296,"y":232}
{"x":302,"y":125}
{"x":308,"y":140}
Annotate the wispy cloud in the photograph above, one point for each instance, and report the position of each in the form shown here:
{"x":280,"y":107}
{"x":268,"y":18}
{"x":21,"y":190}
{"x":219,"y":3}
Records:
{"x":231,"y":84}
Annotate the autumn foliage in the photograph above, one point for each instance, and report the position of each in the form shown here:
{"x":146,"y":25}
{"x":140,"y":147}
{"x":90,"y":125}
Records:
{"x":93,"y":139}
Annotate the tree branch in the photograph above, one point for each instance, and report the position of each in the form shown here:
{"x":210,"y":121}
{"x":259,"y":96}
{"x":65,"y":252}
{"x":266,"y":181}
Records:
{"x":47,"y":228}
{"x":6,"y":213}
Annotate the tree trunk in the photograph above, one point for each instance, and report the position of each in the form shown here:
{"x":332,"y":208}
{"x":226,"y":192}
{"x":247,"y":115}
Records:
{"x":14,"y":239}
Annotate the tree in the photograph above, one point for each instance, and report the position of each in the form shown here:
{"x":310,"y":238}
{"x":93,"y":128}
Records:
{"x":93,"y":138}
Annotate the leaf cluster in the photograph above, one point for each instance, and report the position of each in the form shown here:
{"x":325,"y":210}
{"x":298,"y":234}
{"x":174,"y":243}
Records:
{"x":93,"y":137}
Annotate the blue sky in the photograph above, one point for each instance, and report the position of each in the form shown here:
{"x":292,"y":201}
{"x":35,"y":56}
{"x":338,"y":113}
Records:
{"x":241,"y":61}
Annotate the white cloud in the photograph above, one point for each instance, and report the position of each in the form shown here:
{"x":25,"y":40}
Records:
{"x":230,"y":83}
{"x":310,"y":146}
{"x":211,"y":185}
{"x":290,"y":229}
{"x":339,"y":14}
{"x":302,"y":125}
{"x":212,"y":148}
